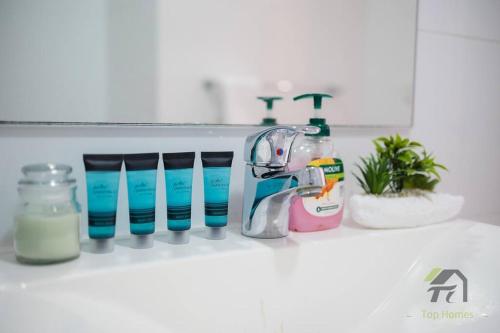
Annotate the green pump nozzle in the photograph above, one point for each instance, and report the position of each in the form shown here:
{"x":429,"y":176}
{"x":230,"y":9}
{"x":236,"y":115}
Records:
{"x":269,"y":121}
{"x":317,"y":120}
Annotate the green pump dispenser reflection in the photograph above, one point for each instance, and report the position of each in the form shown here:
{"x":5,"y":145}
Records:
{"x":269,"y":121}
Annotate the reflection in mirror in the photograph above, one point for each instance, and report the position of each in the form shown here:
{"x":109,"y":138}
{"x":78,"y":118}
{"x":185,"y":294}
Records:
{"x":186,"y":61}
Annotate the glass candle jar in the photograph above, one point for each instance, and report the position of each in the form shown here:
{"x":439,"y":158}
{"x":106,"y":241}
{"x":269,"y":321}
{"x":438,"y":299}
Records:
{"x":47,"y":222}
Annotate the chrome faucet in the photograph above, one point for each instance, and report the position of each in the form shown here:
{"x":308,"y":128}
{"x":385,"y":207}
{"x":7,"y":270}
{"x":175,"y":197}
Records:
{"x":270,"y":185}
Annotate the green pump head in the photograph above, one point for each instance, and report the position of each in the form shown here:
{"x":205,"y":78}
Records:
{"x":269,"y":121}
{"x":324,"y":129}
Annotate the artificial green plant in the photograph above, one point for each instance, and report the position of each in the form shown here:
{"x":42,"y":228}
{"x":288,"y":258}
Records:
{"x":399,"y":165}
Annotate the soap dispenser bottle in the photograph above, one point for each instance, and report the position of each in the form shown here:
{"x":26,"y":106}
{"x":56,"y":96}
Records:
{"x":269,"y":121}
{"x":324,"y":211}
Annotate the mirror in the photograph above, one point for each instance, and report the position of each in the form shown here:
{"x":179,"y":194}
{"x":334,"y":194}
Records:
{"x":186,"y":61}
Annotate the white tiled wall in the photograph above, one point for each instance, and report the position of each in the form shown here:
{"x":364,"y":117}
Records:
{"x":457,"y":97}
{"x":457,"y":115}
{"x":477,"y":19}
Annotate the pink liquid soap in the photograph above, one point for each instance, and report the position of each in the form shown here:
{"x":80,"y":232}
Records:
{"x":302,"y":221}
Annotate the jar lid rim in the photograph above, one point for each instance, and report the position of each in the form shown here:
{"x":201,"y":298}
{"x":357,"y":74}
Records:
{"x":51,"y":174}
{"x":51,"y":168}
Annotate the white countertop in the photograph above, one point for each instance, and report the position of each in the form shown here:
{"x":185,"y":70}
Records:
{"x":14,"y":274}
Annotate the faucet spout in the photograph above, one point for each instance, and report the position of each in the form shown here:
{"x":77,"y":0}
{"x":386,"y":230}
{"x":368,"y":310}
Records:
{"x":268,"y":196}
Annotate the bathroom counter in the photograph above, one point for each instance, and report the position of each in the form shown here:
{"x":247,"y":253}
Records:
{"x":370,"y":279}
{"x":13,"y":273}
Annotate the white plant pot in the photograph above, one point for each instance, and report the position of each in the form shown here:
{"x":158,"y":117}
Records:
{"x":404,"y":211}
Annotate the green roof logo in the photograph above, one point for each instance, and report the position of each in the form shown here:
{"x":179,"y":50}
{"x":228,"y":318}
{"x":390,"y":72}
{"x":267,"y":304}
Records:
{"x":438,"y":278}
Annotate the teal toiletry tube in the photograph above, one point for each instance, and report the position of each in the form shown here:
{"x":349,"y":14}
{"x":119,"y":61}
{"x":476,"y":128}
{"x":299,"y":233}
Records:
{"x":102,"y":174}
{"x":141,"y":186}
{"x":216,"y":177}
{"x":178,"y":183}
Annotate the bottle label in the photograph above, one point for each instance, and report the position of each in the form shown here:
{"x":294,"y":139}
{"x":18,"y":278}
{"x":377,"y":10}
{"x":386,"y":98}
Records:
{"x":331,"y":199}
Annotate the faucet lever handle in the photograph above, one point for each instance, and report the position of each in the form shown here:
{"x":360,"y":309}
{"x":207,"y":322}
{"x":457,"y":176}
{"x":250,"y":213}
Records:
{"x":271,"y":147}
{"x":307,"y":129}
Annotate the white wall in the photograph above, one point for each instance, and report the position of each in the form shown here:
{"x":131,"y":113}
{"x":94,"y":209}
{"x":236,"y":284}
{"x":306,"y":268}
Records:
{"x":457,"y":114}
{"x":457,"y":106}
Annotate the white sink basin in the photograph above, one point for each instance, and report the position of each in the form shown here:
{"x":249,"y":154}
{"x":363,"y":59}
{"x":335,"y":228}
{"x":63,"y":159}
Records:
{"x":344,"y":280}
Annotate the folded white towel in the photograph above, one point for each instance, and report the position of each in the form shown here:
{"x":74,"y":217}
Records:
{"x":404,"y":211}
